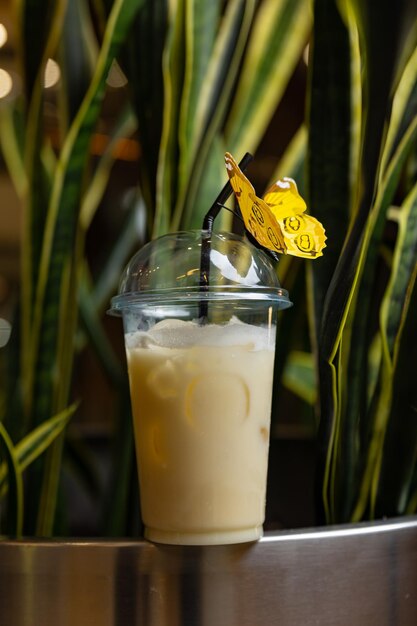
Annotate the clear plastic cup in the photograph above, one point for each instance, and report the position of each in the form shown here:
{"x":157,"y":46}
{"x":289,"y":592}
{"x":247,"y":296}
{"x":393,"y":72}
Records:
{"x":200,"y":362}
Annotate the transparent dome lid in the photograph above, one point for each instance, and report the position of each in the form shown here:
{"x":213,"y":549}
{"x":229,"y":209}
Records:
{"x":196,"y":265}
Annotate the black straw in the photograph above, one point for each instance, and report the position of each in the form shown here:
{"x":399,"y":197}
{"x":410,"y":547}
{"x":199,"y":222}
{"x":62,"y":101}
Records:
{"x":208,"y":221}
{"x":227,"y":190}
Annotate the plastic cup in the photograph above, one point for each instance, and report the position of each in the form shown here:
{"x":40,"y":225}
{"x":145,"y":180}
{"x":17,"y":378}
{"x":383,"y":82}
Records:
{"x":201,"y":388}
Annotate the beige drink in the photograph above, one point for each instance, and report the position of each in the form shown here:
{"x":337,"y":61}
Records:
{"x":201,"y":390}
{"x":201,"y":398}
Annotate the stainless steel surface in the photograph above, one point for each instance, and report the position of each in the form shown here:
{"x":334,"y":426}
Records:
{"x":362,"y":575}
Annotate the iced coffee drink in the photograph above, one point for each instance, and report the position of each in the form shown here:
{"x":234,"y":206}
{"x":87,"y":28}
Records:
{"x":200,"y":361}
{"x":201,"y":399}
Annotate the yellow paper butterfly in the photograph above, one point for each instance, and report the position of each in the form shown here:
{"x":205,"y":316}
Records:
{"x":277,"y":221}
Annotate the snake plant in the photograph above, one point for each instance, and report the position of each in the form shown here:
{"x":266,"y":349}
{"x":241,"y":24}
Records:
{"x":206,"y":76}
{"x":362,"y":120}
{"x":202,"y":74}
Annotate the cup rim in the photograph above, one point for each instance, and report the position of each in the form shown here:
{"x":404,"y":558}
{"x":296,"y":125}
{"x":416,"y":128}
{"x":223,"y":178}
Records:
{"x":252,"y":293}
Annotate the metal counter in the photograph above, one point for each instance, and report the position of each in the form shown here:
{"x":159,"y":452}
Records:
{"x":361,"y":575}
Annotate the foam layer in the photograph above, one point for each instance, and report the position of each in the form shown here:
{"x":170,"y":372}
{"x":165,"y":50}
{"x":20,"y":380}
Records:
{"x":173,"y":333}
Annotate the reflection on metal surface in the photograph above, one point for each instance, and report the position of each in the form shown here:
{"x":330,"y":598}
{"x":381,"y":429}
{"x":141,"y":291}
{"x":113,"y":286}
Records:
{"x":345,"y":531}
{"x":348,"y":575}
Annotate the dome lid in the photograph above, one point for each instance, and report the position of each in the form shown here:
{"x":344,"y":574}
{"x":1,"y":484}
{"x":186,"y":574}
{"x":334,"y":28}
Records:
{"x":171,"y":268}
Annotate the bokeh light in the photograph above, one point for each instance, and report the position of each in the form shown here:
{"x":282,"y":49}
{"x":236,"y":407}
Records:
{"x":5,"y":331}
{"x":52,"y":74}
{"x":6,"y":83}
{"x":116,"y":78}
{"x":3,"y":35}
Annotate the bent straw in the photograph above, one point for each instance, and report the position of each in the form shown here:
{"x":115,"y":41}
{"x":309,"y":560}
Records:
{"x":207,"y":227}
{"x":223,"y":196}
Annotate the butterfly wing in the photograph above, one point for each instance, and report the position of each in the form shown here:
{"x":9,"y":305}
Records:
{"x":257,"y":216}
{"x":263,"y":226}
{"x":283,"y":198}
{"x":303,"y":235}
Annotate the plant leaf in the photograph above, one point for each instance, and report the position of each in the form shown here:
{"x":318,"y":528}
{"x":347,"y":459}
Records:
{"x":394,"y":310}
{"x":132,"y":235}
{"x":395,"y":303}
{"x":35,"y":443}
{"x":380,"y":74}
{"x":14,"y":521}
{"x":201,"y":19}
{"x":11,"y":122}
{"x":122,"y":494}
{"x":125,"y":125}
{"x":398,"y":462}
{"x":357,"y":419}
{"x":142,"y":60}
{"x":333,"y":137}
{"x":52,"y":341}
{"x":46,"y":23}
{"x":210,"y":184}
{"x":343,"y":296}
{"x":278,"y":37}
{"x":98,"y":338}
{"x":293,"y":161}
{"x":203,"y":185}
{"x":331,"y":166}
{"x":404,"y":109}
{"x":62,"y":213}
{"x":166,"y":183}
{"x":78,"y":54}
{"x":299,"y":376}
{"x":36,"y":18}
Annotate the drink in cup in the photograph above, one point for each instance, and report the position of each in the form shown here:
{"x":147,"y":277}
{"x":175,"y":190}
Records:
{"x":201,"y":385}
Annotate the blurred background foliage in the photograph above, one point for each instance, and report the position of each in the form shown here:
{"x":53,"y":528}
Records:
{"x":114,"y":119}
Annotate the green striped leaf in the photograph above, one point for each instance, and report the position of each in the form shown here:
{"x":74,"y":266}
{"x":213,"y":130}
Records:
{"x":332,"y":145}
{"x":331,"y":168}
{"x":216,"y":89}
{"x":204,"y":183}
{"x":77,"y":56}
{"x":397,"y":463}
{"x":404,"y":109}
{"x":201,"y":22}
{"x":380,"y":74}
{"x":172,"y":68}
{"x":212,"y":178}
{"x":357,"y":419}
{"x":396,"y":299}
{"x":55,"y":313}
{"x":63,"y":210}
{"x":41,"y":25}
{"x":124,"y":127}
{"x":345,"y":424}
{"x":278,"y":37}
{"x":36,"y":442}
{"x":293,"y":161}
{"x":11,"y":142}
{"x":36,"y":18}
{"x":142,"y":59}
{"x":394,"y":309}
{"x":14,"y":519}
